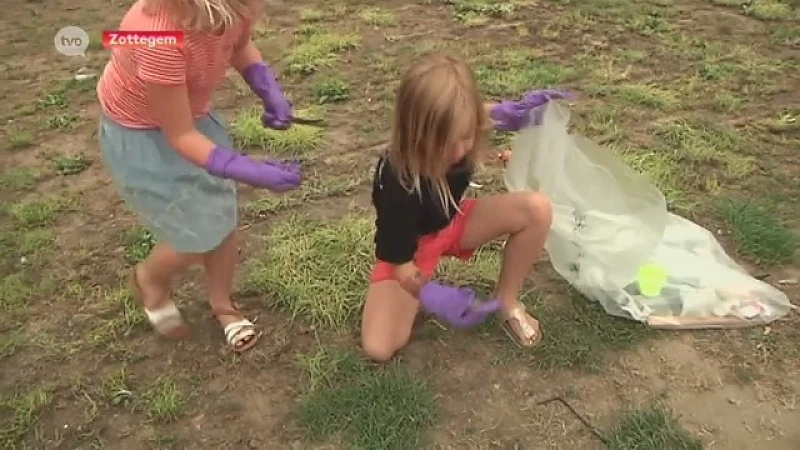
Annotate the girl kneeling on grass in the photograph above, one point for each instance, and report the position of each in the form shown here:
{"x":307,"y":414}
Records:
{"x":171,"y":158}
{"x":439,"y":132}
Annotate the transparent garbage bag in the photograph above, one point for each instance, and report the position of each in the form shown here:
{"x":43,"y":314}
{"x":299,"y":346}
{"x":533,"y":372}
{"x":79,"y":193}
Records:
{"x":614,"y":241}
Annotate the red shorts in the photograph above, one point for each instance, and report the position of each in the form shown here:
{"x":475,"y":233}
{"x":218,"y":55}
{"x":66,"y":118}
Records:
{"x":431,"y":247}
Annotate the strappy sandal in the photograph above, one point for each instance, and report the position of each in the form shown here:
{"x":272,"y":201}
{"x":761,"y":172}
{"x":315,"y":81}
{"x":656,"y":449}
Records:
{"x":527,"y":336}
{"x":166,"y":321}
{"x":241,"y":335}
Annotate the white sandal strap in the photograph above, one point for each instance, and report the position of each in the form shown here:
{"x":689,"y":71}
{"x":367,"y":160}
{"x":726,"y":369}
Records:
{"x":236,"y":331}
{"x":165,"y":318}
{"x":519,"y":314}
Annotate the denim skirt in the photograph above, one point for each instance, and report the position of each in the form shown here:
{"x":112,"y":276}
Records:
{"x":178,"y":202}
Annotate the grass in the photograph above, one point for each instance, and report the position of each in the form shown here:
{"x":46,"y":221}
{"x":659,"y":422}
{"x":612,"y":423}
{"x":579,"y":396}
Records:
{"x":71,"y":165}
{"x":377,"y":17}
{"x":316,"y":188}
{"x":38,"y":213}
{"x":511,"y":73}
{"x":757,"y":233}
{"x":248,"y":131}
{"x":651,"y":428}
{"x":317,"y":51}
{"x":15,"y":293}
{"x":18,"y":178}
{"x":332,"y":90}
{"x":138,"y":242}
{"x":310,"y":258}
{"x":367,"y":407}
{"x":23,"y":411}
{"x":639,"y":94}
{"x":164,"y":401}
{"x":124,"y":316}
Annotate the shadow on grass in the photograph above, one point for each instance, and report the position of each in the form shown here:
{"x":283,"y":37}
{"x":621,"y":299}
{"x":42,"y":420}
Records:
{"x":366,"y":407}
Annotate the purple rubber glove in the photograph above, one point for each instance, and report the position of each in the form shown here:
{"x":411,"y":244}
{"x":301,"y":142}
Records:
{"x":277,"y":110}
{"x":459,"y":308}
{"x":276,"y":176}
{"x":510,"y":115}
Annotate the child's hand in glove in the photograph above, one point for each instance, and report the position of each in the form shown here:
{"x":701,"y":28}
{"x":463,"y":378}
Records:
{"x":457,"y":307}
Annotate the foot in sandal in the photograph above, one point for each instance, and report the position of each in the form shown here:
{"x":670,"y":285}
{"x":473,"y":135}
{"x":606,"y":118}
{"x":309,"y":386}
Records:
{"x":520,"y":326}
{"x":164,"y":316}
{"x":240,"y":333}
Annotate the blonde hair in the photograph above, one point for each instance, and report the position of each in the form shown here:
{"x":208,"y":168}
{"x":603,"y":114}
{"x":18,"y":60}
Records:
{"x":208,"y":15}
{"x":436,"y":95}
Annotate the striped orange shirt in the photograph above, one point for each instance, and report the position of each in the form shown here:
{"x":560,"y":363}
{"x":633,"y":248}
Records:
{"x":200,"y":64}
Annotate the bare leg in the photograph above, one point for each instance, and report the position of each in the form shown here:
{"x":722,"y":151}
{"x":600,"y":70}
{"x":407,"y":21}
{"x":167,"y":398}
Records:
{"x":525,"y":217}
{"x":220,"y":265}
{"x":156,"y":273}
{"x":388,"y":318}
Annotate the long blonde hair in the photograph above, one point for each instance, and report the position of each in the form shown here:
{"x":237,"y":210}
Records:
{"x":435,"y":96}
{"x":214,"y":16}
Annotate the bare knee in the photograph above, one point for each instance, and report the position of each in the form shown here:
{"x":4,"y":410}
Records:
{"x":380,"y":349}
{"x":538,"y":210}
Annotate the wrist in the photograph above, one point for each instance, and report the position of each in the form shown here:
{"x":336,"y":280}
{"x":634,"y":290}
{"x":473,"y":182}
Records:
{"x":218,"y":161}
{"x":259,"y":77}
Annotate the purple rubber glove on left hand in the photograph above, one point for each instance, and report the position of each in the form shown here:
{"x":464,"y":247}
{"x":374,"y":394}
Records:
{"x":277,"y":110}
{"x":277,"y":176}
{"x":510,"y":115}
{"x":457,"y":307}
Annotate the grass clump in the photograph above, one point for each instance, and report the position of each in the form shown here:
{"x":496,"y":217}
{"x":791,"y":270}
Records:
{"x":15,"y":293}
{"x":23,"y":411}
{"x":317,"y":270}
{"x":248,"y":131}
{"x":318,"y":50}
{"x":651,"y":428}
{"x":513,"y":72}
{"x":757,"y":233}
{"x":769,"y":10}
{"x":372,"y":15}
{"x":333,"y":90}
{"x":18,"y":178}
{"x":646,"y":95}
{"x":138,"y":243}
{"x":368,"y":407}
{"x":164,"y":401}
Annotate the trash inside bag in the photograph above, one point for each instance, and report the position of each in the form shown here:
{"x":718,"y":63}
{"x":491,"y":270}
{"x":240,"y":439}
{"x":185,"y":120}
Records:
{"x":614,"y":241}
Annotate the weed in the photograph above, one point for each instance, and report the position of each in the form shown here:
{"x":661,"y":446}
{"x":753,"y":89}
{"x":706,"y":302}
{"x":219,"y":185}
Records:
{"x":757,"y":233}
{"x":309,"y":258}
{"x":9,"y":343}
{"x":18,"y":138}
{"x":371,"y":407}
{"x":248,"y":131}
{"x":164,"y":401}
{"x":15,"y":293}
{"x":24,"y":410}
{"x":651,"y":428}
{"x":18,"y":178}
{"x":138,"y":243}
{"x":126,"y":315}
{"x":318,"y":51}
{"x":512,"y":73}
{"x":71,"y":165}
{"x":331,"y":91}
{"x":375,"y":16}
{"x":38,"y":213}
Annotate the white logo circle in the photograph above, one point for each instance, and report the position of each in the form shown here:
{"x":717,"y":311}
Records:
{"x":71,"y":41}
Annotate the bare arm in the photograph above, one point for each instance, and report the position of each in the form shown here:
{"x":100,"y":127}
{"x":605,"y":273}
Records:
{"x":245,"y":54}
{"x":169,"y":105}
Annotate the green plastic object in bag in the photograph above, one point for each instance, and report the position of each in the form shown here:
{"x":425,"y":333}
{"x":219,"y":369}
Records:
{"x":613,"y":239}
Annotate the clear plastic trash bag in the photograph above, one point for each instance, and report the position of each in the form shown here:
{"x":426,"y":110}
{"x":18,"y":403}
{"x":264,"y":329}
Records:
{"x":614,"y":241}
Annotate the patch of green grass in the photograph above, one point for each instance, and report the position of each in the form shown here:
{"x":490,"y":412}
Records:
{"x":32,"y":242}
{"x":23,"y":411}
{"x":39,"y":213}
{"x":757,"y":233}
{"x":368,"y":407}
{"x":649,"y":23}
{"x":164,"y":401}
{"x":372,"y":15}
{"x":316,"y":270}
{"x":769,"y":9}
{"x":317,"y":51}
{"x":699,"y":143}
{"x":648,"y":95}
{"x":138,"y":243}
{"x":662,"y":170}
{"x":66,"y":121}
{"x":332,"y":11}
{"x":18,"y":178}
{"x":730,"y":2}
{"x":477,"y":12}
{"x":15,"y":293}
{"x":117,"y":387}
{"x":19,"y":138}
{"x":332,"y":90}
{"x":651,"y":428}
{"x":125,"y":315}
{"x":71,"y":165}
{"x":9,"y":344}
{"x":513,"y":72}
{"x":317,"y":187}
{"x":248,"y":131}
{"x":786,"y":35}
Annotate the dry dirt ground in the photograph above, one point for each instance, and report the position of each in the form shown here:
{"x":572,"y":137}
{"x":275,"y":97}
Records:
{"x":701,"y":95}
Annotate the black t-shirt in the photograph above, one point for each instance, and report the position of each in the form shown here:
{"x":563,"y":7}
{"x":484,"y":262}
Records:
{"x":403,"y":216}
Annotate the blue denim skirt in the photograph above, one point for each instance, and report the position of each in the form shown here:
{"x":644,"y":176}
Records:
{"x":179,"y":203}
